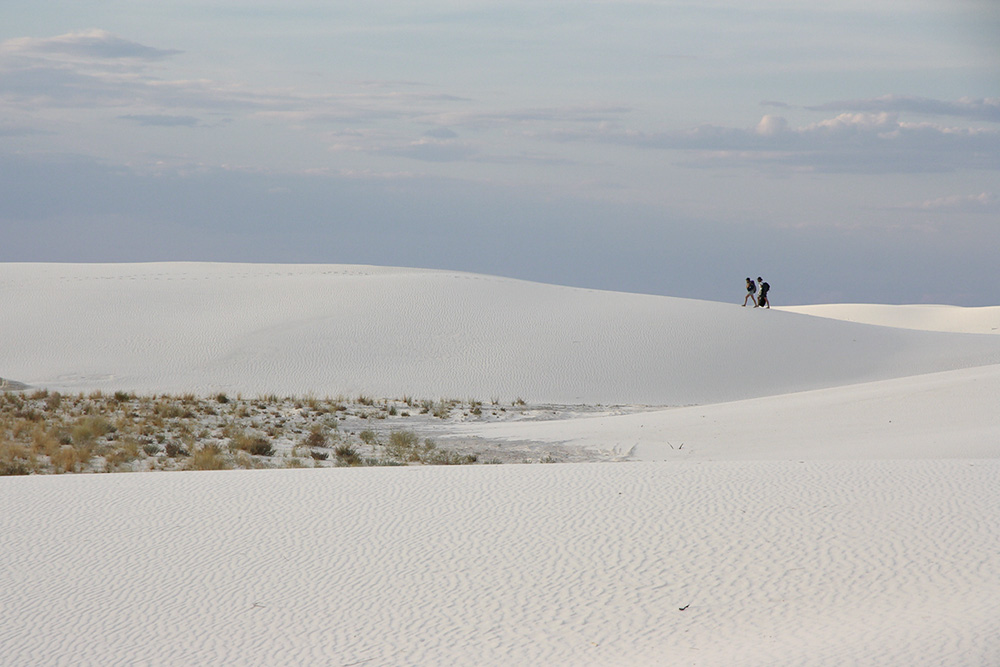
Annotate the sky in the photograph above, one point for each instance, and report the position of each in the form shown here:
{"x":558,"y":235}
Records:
{"x":847,"y":151}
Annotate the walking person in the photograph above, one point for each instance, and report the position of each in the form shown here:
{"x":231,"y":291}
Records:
{"x":762,"y":300}
{"x":751,"y":290}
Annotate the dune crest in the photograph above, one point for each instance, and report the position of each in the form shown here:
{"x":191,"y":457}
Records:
{"x":824,"y":494}
{"x":336,"y":329}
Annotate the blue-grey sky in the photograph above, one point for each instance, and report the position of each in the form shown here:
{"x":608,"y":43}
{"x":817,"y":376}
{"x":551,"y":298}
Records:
{"x":848,"y":151}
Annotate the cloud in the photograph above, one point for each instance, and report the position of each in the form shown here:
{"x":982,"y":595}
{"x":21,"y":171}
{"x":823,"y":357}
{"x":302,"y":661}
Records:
{"x":162,"y":120}
{"x":59,"y":209}
{"x":483,"y":120}
{"x":37,"y":74}
{"x":89,"y":44}
{"x":11,"y":130}
{"x":441,"y":133}
{"x":983,"y":109}
{"x":770,"y":126}
{"x":848,"y":143}
{"x":981,"y":203}
{"x":429,"y":149}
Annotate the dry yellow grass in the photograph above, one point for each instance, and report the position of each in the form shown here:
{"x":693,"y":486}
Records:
{"x":48,"y":432}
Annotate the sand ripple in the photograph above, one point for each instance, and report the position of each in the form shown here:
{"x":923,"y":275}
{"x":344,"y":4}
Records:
{"x":773,"y":563}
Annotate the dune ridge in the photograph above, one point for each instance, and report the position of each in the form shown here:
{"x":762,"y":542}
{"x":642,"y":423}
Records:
{"x":758,"y":563}
{"x":821,"y":492}
{"x":328,"y":330}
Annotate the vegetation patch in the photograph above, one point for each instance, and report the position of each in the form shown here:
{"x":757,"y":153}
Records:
{"x":46,"y":432}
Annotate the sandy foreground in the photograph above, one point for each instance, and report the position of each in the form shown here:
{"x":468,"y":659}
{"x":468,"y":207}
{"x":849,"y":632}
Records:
{"x":814,"y":491}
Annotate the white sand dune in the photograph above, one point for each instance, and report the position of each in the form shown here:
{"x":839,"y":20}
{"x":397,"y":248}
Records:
{"x":825,"y":493}
{"x":955,"y":319}
{"x":332,"y":330}
{"x":955,"y":414}
{"x":774,"y":563}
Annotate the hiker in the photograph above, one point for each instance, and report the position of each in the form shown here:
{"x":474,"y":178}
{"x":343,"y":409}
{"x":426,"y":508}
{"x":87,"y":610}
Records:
{"x":751,"y":290}
{"x":764,"y":287}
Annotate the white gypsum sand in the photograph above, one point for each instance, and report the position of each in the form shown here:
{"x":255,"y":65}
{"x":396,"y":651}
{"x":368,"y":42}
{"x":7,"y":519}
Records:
{"x":708,"y":563}
{"x":983,"y":319}
{"x":297,"y":329}
{"x":824,"y":493}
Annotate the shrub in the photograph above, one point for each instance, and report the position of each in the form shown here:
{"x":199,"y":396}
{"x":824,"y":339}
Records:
{"x":252,"y":443}
{"x":175,"y":450}
{"x":402,"y":444}
{"x":53,"y":401}
{"x":90,"y":428}
{"x":14,"y":467}
{"x":15,"y":459}
{"x":126,"y":452}
{"x":316,"y":438}
{"x":209,"y":457}
{"x":172,"y":411}
{"x":44,"y":442}
{"x":346,"y":455}
{"x":70,"y":459}
{"x":449,"y":458}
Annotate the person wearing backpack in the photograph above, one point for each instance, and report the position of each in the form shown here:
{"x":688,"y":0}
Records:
{"x":762,"y":300}
{"x":751,"y":290}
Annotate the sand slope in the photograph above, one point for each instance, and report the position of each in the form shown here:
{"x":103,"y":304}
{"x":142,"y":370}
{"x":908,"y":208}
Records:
{"x":775,"y":563}
{"x":823,"y":493}
{"x":957,"y":319}
{"x":333,"y":330}
{"x":952,"y":414}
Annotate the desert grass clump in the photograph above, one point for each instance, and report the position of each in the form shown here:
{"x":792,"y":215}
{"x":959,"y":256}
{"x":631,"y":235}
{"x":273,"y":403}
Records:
{"x":294,"y":462}
{"x":89,"y":428}
{"x":71,"y":459}
{"x":174,"y":450}
{"x":346,"y":455}
{"x":173,"y":410}
{"x":256,"y":444}
{"x":44,"y":441}
{"x":403,"y":446}
{"x":127,"y":451}
{"x":443,"y":409}
{"x":16,"y":459}
{"x":208,"y":457}
{"x":444,"y":457}
{"x":53,"y":401}
{"x":316,"y":438}
{"x":124,"y":396}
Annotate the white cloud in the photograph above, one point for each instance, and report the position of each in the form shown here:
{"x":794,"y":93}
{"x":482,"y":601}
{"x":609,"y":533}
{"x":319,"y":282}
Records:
{"x":848,"y":142}
{"x":86,"y":45}
{"x":770,"y":126}
{"x":984,"y":109}
{"x":979,"y":203}
{"x":430,"y":149}
{"x":162,"y":120}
